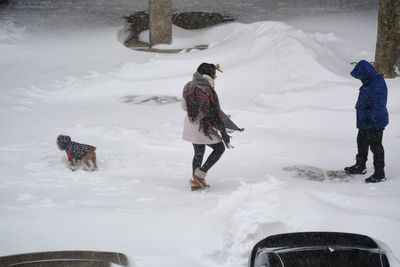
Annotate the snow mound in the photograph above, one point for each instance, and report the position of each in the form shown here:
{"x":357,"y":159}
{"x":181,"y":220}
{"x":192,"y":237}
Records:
{"x":275,"y":57}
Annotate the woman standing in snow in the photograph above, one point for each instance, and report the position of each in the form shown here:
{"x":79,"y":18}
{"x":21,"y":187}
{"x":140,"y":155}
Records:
{"x":205,"y":123}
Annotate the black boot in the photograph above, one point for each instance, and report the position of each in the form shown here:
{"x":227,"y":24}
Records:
{"x":357,"y":168}
{"x":377,"y":177}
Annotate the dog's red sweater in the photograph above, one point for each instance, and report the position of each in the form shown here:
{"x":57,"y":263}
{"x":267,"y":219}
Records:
{"x":69,"y":155}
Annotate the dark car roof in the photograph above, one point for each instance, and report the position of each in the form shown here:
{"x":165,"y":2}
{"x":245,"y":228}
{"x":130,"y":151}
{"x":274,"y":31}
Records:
{"x":309,"y":239}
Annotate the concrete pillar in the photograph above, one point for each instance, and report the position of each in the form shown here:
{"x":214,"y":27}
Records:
{"x":160,"y":21}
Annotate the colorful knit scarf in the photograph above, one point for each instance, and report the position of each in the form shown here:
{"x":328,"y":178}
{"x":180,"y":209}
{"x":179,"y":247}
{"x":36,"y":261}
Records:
{"x":203,"y":105}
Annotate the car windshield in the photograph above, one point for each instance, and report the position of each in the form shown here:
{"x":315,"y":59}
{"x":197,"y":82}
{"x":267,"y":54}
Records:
{"x":322,"y":258}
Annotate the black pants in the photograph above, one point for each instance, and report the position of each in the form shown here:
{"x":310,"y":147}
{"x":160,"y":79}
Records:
{"x":371,"y":139}
{"x":199,"y":150}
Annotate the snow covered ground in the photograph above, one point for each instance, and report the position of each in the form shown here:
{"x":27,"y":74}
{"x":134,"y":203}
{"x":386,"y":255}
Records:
{"x":287,"y":83}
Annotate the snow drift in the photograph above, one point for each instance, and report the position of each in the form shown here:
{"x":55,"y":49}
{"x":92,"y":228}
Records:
{"x":289,"y":88}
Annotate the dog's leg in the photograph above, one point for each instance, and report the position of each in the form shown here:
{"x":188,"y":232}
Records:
{"x":89,"y":161}
{"x":91,"y":164}
{"x":94,"y":160}
{"x":72,"y":165}
{"x":85,"y":164}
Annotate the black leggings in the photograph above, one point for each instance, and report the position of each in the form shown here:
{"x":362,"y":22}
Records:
{"x":199,"y":150}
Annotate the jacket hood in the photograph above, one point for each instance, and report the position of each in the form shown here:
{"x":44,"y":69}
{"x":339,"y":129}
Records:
{"x":63,"y":141}
{"x":364,"y":71}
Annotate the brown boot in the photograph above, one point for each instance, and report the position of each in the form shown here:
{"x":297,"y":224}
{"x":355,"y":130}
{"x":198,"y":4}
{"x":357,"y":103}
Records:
{"x":198,"y":182}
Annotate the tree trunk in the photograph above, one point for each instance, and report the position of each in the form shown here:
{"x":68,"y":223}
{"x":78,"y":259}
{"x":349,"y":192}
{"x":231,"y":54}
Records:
{"x":387,"y":45}
{"x":397,"y":32}
{"x":3,"y":4}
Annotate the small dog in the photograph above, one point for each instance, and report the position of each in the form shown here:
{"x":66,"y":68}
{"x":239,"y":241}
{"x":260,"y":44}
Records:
{"x":78,"y":153}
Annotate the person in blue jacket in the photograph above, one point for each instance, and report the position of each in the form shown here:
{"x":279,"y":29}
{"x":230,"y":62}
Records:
{"x":372,"y":118}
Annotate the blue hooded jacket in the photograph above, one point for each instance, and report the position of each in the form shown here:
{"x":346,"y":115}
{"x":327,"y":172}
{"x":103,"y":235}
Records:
{"x":371,"y":103}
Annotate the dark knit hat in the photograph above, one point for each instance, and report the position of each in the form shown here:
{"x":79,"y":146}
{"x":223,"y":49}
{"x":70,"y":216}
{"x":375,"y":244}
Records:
{"x":207,"y":69}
